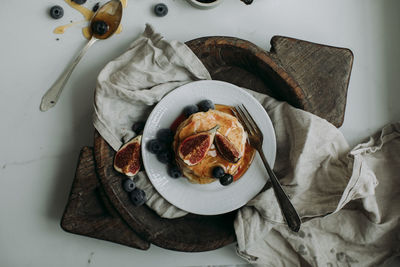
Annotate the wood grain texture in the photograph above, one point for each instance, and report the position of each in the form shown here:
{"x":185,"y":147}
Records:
{"x":246,"y":65}
{"x":88,"y":211}
{"x":309,"y":76}
{"x":190,"y":233}
{"x":322,"y":72}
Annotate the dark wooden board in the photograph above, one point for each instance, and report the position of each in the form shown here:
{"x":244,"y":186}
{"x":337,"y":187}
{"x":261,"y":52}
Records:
{"x":322,"y":72}
{"x":246,"y":65}
{"x":189,"y":233}
{"x":89,"y":213}
{"x":310,"y":76}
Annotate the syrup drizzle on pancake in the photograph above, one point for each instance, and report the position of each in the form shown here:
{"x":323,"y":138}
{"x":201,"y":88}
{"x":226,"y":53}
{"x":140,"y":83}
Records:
{"x":230,"y":127}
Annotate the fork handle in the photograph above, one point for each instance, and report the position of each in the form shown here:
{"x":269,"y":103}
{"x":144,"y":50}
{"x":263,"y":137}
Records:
{"x":289,"y":212}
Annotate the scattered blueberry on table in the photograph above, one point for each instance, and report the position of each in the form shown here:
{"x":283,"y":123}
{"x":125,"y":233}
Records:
{"x":206,"y":105}
{"x":161,"y":10}
{"x":56,"y":12}
{"x":247,"y":2}
{"x":79,"y":2}
{"x":128,"y":185}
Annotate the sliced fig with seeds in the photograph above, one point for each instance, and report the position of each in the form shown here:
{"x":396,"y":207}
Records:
{"x":194,"y":148}
{"x":226,"y":148}
{"x":127,"y":159}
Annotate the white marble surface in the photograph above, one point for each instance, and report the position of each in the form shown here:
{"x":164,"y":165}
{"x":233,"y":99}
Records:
{"x":39,"y":151}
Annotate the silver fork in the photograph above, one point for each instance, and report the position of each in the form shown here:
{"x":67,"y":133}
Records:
{"x":256,"y":138}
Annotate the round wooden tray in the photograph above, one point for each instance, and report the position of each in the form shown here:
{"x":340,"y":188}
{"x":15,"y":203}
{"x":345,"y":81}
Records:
{"x":244,"y":64}
{"x":228,"y":59}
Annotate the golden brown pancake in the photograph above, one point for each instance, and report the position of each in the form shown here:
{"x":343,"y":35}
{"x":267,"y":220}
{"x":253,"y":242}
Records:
{"x":230,"y":127}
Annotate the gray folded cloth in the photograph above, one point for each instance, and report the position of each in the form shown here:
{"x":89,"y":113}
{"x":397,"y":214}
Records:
{"x":129,"y":86}
{"x":348,"y":219}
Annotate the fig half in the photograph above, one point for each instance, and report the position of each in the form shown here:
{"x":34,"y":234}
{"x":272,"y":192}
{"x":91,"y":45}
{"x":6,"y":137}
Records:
{"x":127,"y":159}
{"x":194,"y":148}
{"x":226,"y":148}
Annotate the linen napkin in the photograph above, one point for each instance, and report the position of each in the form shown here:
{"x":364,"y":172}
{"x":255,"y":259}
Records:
{"x":129,"y":86}
{"x":332,"y":188}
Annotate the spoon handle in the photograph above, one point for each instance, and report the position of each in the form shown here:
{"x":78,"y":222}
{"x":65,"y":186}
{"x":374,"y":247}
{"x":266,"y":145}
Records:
{"x":50,"y":99}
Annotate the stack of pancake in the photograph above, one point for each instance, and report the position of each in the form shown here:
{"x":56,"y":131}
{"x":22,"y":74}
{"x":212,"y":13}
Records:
{"x":230,"y":127}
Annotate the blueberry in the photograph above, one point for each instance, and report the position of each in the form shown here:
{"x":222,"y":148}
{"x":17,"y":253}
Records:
{"x":96,"y":7}
{"x":205,"y":105}
{"x":99,"y":27}
{"x":174,"y":171}
{"x":161,"y":10}
{"x":218,"y":172}
{"x":56,"y":12}
{"x":137,"y":196}
{"x":165,"y":135}
{"x":189,"y":110}
{"x":128,"y":185}
{"x":164,"y":157}
{"x":155,"y":146}
{"x":138,"y":127}
{"x":79,"y":2}
{"x":226,"y":179}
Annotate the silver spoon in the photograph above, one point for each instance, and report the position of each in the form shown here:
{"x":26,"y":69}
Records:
{"x":110,"y":13}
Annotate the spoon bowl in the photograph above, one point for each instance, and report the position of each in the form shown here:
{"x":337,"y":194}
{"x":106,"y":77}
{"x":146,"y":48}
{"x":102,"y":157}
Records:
{"x":110,"y":15}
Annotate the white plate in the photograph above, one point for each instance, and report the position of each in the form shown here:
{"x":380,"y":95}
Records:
{"x":209,"y":199}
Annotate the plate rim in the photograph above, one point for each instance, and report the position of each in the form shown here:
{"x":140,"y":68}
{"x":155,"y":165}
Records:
{"x":169,"y":95}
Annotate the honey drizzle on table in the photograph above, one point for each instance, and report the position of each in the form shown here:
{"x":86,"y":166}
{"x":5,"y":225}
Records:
{"x":87,"y":14}
{"x":61,"y":29}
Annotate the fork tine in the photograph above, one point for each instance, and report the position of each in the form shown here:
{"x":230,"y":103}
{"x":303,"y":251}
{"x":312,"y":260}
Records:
{"x":250,"y":118}
{"x":245,"y":118}
{"x":241,"y":119}
{"x":237,"y":114}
